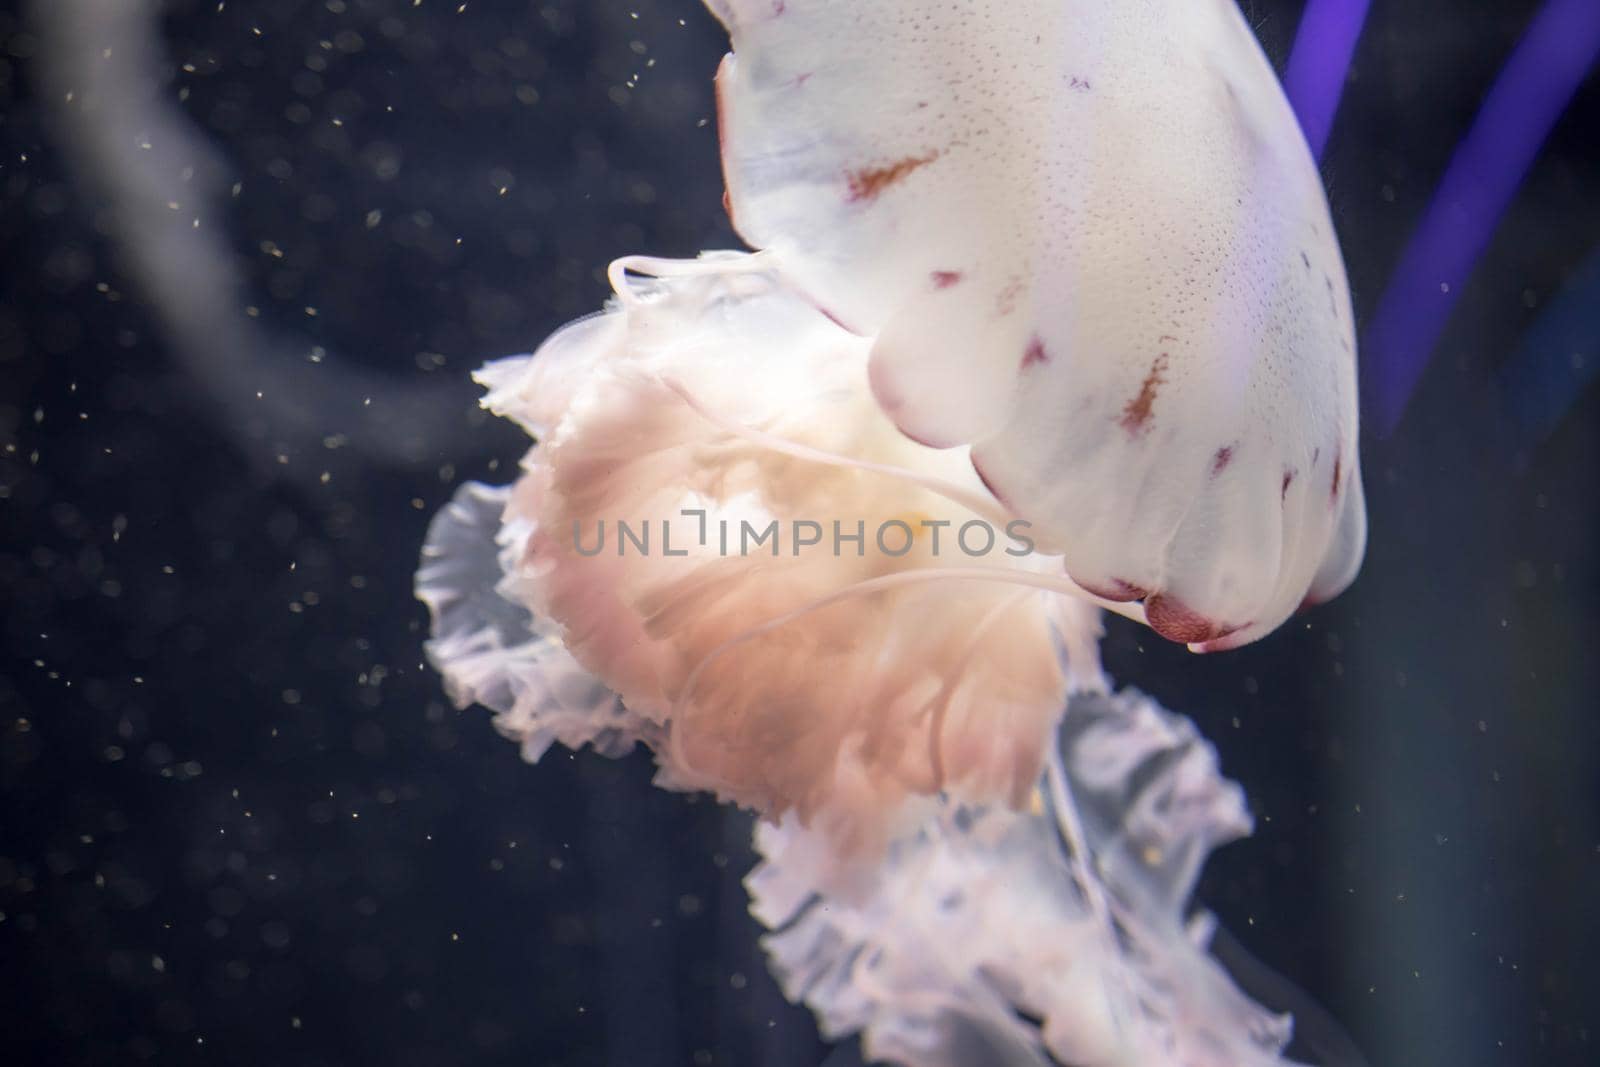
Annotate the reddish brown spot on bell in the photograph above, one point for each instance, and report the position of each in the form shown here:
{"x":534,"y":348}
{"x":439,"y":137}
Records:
{"x":944,"y":279}
{"x":1178,"y":622}
{"x":1338,"y":471}
{"x":1288,"y":480}
{"x":1006,"y":301}
{"x":1115,"y":590}
{"x":1034,"y":354}
{"x":1220,"y":461}
{"x":1136,"y":415}
{"x":869,"y":183}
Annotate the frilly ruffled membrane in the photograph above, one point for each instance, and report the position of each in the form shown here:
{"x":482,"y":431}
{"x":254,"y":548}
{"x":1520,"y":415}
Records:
{"x":491,"y":650}
{"x":985,"y":938}
{"x":953,"y":868}
{"x":841,"y":680}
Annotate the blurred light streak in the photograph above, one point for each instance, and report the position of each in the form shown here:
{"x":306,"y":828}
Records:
{"x":1320,"y":63}
{"x":1532,"y":91}
{"x":164,"y":188}
{"x":1557,"y":359}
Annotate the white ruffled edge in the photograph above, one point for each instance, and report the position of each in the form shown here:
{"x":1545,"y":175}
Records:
{"x":984,"y":939}
{"x":491,"y":650}
{"x":983,"y":936}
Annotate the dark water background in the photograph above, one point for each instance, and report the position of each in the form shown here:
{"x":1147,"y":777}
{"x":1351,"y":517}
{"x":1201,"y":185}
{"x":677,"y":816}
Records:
{"x":240,"y":825}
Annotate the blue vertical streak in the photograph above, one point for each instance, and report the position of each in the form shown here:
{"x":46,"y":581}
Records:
{"x":1320,"y":62}
{"x":1557,"y":359}
{"x":1527,"y":98}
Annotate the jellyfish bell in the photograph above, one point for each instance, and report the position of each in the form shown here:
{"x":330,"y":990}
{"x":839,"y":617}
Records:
{"x":1091,"y":248}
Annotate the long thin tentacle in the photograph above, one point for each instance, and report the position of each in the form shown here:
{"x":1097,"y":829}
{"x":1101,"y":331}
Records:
{"x":869,"y":586}
{"x":718,"y":263}
{"x":973,"y":501}
{"x":939,"y":712}
{"x":970,"y":499}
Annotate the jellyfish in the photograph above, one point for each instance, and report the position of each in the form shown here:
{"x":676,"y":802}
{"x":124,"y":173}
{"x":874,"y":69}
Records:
{"x":1045,"y":318}
{"x":1089,"y":241}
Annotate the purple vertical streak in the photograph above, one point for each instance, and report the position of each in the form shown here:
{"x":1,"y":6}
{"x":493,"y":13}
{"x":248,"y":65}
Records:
{"x":1489,"y":165}
{"x":1320,"y":62}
